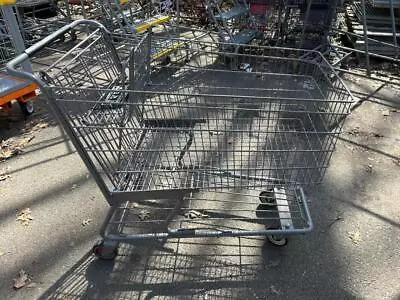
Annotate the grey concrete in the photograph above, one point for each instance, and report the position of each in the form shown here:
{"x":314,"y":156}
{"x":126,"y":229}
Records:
{"x":352,"y":254}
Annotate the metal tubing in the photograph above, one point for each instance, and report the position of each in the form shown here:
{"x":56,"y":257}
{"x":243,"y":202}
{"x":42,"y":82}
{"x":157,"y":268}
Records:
{"x":305,"y":22}
{"x":200,"y":145}
{"x":364,"y":19}
{"x":371,"y":54}
{"x":393,"y":27}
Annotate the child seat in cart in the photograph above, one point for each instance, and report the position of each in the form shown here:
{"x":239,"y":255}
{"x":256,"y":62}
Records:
{"x":195,"y":149}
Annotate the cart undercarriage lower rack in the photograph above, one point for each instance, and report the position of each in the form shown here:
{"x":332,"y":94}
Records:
{"x":215,"y":144}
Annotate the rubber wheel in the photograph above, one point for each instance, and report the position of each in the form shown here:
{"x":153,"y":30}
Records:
{"x":277,"y":240}
{"x":267,"y":197}
{"x":105,"y":252}
{"x":27,"y":108}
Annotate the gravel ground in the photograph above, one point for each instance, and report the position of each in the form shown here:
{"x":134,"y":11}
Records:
{"x":352,"y":253}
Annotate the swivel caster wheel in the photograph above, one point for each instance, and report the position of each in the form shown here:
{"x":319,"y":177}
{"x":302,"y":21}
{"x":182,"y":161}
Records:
{"x":277,"y":240}
{"x":267,"y":197}
{"x":27,"y":108}
{"x":106,"y":250}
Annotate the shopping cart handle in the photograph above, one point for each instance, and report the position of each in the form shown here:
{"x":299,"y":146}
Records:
{"x":15,"y":62}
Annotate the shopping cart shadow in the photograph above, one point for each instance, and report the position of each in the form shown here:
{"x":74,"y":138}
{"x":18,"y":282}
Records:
{"x":179,"y":269}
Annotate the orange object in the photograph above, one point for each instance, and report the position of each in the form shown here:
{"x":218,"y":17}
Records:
{"x":12,"y":88}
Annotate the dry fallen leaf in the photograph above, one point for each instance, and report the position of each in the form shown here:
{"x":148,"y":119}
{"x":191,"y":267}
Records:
{"x":144,"y":214}
{"x":25,"y":141}
{"x":21,"y":280}
{"x":86,"y":222}
{"x":41,"y":125}
{"x":194,"y":214}
{"x":25,"y":217}
{"x":6,"y":154}
{"x":355,"y":236}
{"x":13,"y":146}
{"x":354,"y":131}
{"x":4,"y":177}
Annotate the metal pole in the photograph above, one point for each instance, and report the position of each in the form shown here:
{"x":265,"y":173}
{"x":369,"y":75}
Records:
{"x":393,"y":27}
{"x":364,"y":17}
{"x":305,"y":22}
{"x":178,"y":12}
{"x":280,"y":7}
{"x":16,"y":37}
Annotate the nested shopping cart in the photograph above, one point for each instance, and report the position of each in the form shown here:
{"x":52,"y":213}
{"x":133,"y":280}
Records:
{"x":196,"y":148}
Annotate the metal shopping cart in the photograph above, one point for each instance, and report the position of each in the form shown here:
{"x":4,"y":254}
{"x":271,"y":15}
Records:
{"x":39,"y":18}
{"x":196,"y":149}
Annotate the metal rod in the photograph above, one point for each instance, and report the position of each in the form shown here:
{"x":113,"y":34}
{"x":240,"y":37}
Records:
{"x":364,"y":19}
{"x":370,"y":39}
{"x":178,"y":12}
{"x":371,"y":54}
{"x":305,"y":22}
{"x":393,"y":27}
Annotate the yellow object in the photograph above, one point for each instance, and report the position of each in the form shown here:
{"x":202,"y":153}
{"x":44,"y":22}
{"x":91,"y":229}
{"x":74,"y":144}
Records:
{"x":7,"y":2}
{"x":166,"y":51}
{"x":122,"y":2}
{"x":150,"y":23}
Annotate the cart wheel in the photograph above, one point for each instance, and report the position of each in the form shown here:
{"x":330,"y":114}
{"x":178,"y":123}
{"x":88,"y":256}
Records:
{"x":27,"y":108}
{"x":106,"y":250}
{"x":277,"y":240}
{"x":267,"y":197}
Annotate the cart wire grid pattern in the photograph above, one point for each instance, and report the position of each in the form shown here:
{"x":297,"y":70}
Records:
{"x":207,"y":143}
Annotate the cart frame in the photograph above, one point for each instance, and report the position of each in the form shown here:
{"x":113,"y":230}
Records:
{"x":139,"y":118}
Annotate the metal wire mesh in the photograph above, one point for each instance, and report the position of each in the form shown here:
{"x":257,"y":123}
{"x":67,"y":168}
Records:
{"x":204,"y":126}
{"x":7,"y":50}
{"x":211,"y":213}
{"x":185,"y":139}
{"x":6,"y":47}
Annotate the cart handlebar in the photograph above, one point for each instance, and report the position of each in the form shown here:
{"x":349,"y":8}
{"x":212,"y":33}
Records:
{"x":28,"y":53}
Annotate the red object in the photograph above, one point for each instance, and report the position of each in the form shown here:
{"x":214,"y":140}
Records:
{"x":258,"y":9}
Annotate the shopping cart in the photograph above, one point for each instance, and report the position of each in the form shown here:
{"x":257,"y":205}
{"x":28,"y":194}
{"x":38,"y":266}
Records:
{"x":39,"y":18}
{"x":196,"y":149}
